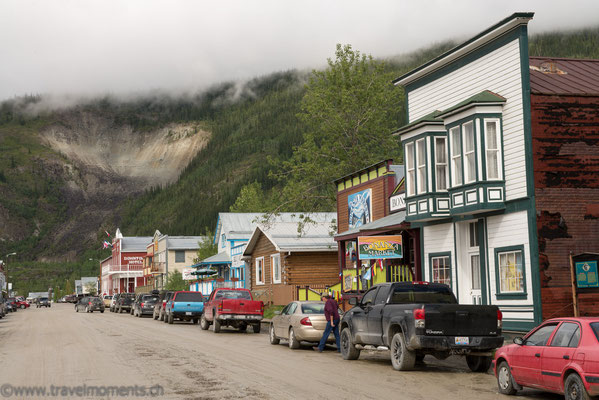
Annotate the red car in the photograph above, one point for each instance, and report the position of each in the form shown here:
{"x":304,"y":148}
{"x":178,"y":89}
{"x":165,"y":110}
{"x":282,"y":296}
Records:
{"x":22,"y":304}
{"x":560,"y":356}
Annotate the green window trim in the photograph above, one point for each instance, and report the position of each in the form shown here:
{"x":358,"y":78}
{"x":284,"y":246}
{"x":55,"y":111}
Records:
{"x":440,"y":255}
{"x":516,"y":295}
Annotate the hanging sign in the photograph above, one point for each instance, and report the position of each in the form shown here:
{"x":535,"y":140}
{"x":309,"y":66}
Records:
{"x":397,"y":202}
{"x":375,"y":247}
{"x":586,"y":274}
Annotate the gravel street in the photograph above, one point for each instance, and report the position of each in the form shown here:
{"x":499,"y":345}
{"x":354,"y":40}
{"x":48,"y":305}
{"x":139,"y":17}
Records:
{"x":60,"y":347}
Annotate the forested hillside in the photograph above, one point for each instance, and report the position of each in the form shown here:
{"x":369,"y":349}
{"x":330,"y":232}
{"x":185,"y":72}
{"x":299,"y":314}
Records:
{"x":248,"y":123}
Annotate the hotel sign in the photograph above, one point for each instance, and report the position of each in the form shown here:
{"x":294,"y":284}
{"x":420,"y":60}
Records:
{"x":375,"y":247}
{"x":397,"y":202}
{"x":586,"y":274}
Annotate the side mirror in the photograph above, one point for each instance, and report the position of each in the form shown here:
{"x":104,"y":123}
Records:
{"x":353,"y":301}
{"x":277,"y":313}
{"x":519,"y":341}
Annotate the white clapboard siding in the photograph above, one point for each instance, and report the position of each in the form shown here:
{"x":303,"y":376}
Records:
{"x":508,"y":230}
{"x":437,"y":239}
{"x":499,"y":72}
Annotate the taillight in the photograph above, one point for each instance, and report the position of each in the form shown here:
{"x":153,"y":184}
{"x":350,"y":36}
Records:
{"x":419,"y":316}
{"x":499,"y":318}
{"x":142,"y":305}
{"x":220,"y":307}
{"x":90,"y":303}
{"x":306,"y":321}
{"x":420,"y":283}
{"x":173,"y":305}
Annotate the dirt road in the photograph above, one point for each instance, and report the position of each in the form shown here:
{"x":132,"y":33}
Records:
{"x":59,"y":347}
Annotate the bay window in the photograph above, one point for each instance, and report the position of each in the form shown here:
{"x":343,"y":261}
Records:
{"x":456,"y":156}
{"x":440,"y":163}
{"x":410,"y":164}
{"x":469,"y":152}
{"x":492,"y":148}
{"x":421,"y":165}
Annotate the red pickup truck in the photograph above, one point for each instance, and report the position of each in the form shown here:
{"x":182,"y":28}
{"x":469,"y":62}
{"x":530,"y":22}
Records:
{"x":232,"y":307}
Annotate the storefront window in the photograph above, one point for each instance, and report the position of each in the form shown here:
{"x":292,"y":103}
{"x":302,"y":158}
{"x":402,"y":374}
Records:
{"x":511,"y":272}
{"x":441,"y":270}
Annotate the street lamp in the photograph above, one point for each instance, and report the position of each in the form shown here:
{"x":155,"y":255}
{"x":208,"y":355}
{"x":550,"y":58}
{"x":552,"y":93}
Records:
{"x":8,"y":289}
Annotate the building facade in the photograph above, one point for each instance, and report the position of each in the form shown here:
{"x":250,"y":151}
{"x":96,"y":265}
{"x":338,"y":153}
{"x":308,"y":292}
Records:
{"x":469,"y":171}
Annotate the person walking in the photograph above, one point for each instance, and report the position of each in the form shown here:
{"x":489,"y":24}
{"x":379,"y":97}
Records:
{"x":331,"y":313}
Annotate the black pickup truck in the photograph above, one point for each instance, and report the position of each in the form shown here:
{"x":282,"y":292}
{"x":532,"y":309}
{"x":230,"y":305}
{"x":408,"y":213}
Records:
{"x":413,"y":319}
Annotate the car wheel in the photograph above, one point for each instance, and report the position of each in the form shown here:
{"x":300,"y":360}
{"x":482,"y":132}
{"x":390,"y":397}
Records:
{"x":76,"y":309}
{"x":402,"y":359}
{"x":293,"y":342}
{"x":171,"y":318}
{"x":505,"y":381}
{"x":154,"y":316}
{"x":161,"y":316}
{"x":22,"y":306}
{"x":132,"y":311}
{"x":271,"y":334}
{"x":479,"y":363}
{"x":87,"y":309}
{"x":216,"y":326}
{"x":348,"y":348}
{"x":257,"y":327}
{"x":574,"y":388}
{"x":165,"y":318}
{"x":102,"y":311}
{"x":204,"y":324}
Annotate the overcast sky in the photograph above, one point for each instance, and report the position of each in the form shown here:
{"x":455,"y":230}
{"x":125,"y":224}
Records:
{"x":88,"y":47}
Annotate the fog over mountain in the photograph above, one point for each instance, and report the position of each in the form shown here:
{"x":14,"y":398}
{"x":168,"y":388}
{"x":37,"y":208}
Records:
{"x":116,"y":47}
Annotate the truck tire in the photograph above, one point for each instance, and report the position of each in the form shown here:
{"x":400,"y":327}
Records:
{"x":171,"y":318}
{"x":165,"y":320}
{"x":479,"y":363}
{"x":272,"y":336}
{"x":348,"y":348}
{"x":402,"y":359}
{"x":293,"y":342}
{"x":161,"y":316}
{"x":216,"y":326}
{"x":256,"y":327}
{"x":204,"y":324}
{"x":505,"y":381}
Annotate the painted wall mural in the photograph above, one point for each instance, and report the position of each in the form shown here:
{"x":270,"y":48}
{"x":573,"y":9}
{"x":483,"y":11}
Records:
{"x":359,"y":208}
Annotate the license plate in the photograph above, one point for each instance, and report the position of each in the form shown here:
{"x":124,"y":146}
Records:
{"x":461,"y":340}
{"x":188,"y":313}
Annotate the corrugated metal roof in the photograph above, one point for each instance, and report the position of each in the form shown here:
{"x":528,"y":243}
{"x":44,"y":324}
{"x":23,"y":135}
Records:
{"x":185,"y":242}
{"x":285,"y":236}
{"x":381,"y":223}
{"x":220,"y":258}
{"x":135,"y":243}
{"x":564,"y":76}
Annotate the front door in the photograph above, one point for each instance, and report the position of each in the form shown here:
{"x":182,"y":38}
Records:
{"x":469,"y":263}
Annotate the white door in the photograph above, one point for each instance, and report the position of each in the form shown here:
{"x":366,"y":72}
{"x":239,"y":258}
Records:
{"x":474,"y":263}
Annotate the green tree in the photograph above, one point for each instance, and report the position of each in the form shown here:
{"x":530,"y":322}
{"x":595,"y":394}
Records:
{"x":350,"y":110}
{"x":251,"y":199}
{"x":207,"y":248}
{"x":68,"y":288}
{"x":175,"y":282}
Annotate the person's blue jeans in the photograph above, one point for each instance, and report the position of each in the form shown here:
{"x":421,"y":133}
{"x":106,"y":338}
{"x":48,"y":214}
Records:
{"x":327,"y":332}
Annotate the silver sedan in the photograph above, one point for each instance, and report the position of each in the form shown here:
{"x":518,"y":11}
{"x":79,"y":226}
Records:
{"x":299,"y":321}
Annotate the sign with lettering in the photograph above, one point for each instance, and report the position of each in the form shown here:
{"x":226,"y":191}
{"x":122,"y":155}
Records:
{"x":586,"y":274}
{"x":397,"y":202}
{"x":375,"y":247}
{"x":186,"y":273}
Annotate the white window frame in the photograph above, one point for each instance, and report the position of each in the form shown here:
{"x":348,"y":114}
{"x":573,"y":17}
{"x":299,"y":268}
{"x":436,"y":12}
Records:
{"x":277,"y":258}
{"x":420,"y":167}
{"x":469,"y":176}
{"x":456,"y":157}
{"x":446,"y":267}
{"x":411,"y":170}
{"x":442,"y":165}
{"x":260,"y":267}
{"x":497,"y":148}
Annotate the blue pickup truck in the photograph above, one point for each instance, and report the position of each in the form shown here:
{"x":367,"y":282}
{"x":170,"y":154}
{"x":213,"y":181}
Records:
{"x":184,"y":306}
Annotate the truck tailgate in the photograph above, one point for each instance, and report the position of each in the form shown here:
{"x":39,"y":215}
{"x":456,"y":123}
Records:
{"x":186,"y":306}
{"x":241,"y":306}
{"x":460,"y":320}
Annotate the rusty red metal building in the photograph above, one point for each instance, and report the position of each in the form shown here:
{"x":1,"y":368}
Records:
{"x":565,"y":144}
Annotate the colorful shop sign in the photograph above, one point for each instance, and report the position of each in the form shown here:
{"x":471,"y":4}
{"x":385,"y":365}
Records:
{"x":359,"y":208}
{"x":375,"y":247}
{"x":586,"y":274}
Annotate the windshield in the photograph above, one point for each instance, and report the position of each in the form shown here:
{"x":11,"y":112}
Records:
{"x":422,"y":294}
{"x":107,"y":297}
{"x":149,"y":299}
{"x":232,"y":294}
{"x":595,"y":326}
{"x":313,"y":308}
{"x":44,"y":299}
{"x":185,"y":296}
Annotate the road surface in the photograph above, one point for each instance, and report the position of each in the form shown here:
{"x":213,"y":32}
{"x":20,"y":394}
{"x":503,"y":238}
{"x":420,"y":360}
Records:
{"x":64,"y":349}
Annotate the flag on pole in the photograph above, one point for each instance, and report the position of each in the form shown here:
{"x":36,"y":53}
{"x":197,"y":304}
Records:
{"x":106,"y":245}
{"x":107,"y":233}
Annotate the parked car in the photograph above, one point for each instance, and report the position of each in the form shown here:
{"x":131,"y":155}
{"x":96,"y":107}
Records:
{"x":161,"y":312}
{"x":71,"y":298}
{"x":43,"y":302}
{"x":125,"y":302}
{"x":232,"y":307}
{"x":184,"y":306}
{"x":561,"y":356}
{"x":145,"y":304}
{"x":413,"y":319}
{"x":299,"y":321}
{"x":107,"y":299}
{"x":90,"y":304}
{"x":2,"y":308}
{"x":9,"y":306}
{"x":22,"y":304}
{"x":113,"y":302}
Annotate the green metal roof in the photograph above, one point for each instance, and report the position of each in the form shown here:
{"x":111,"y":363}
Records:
{"x":426,"y":120}
{"x":484,"y":97}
